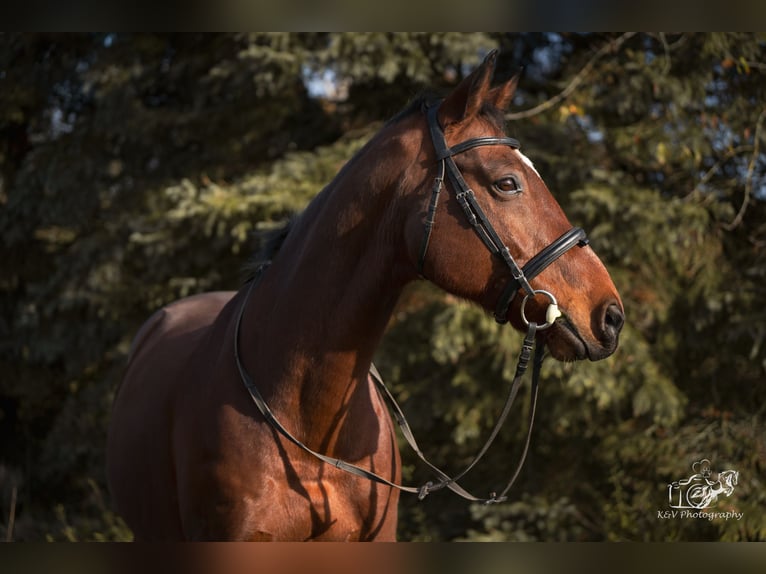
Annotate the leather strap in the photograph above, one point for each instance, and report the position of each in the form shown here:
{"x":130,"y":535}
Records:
{"x":476,"y":142}
{"x":431,"y":217}
{"x":536,"y":265}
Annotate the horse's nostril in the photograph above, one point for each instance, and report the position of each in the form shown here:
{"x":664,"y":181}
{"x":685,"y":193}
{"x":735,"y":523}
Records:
{"x":614,"y":319}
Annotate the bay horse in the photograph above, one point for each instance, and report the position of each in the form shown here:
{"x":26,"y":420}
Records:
{"x":193,"y":455}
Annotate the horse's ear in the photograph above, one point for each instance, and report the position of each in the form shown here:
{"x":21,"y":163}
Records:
{"x":502,"y":95}
{"x":465,"y":101}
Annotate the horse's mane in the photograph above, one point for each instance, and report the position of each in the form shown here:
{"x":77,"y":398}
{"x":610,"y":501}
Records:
{"x":270,"y":241}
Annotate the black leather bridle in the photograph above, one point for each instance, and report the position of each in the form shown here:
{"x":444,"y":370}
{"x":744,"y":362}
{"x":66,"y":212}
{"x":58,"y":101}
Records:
{"x":520,"y":277}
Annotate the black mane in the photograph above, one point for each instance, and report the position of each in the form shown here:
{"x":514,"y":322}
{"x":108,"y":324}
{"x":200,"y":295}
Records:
{"x":269,"y":243}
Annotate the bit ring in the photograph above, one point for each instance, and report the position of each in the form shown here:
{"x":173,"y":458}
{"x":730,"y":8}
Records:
{"x":551,"y":314}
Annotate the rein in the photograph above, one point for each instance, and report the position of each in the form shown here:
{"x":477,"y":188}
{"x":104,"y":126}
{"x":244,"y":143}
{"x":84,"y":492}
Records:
{"x":520,"y":277}
{"x":445,"y":481}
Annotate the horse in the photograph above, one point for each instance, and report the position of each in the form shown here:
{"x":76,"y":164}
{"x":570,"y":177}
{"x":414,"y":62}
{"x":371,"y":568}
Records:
{"x":194,"y":454}
{"x":704,"y":492}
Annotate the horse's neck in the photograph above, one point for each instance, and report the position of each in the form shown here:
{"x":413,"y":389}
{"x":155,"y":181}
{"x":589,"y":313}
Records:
{"x":315,"y":320}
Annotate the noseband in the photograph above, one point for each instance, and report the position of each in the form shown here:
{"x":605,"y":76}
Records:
{"x":520,"y":276}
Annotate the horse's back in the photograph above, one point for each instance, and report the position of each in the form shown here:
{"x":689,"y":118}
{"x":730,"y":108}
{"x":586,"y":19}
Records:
{"x":140,"y":457}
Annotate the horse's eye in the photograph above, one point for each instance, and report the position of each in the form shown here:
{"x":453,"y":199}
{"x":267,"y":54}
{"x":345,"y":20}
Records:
{"x":508,"y":185}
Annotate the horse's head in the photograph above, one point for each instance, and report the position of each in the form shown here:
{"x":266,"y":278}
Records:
{"x":519,"y":212}
{"x":728,"y":480}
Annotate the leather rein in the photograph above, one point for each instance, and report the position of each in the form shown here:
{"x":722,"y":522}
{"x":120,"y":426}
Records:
{"x":519,"y":280}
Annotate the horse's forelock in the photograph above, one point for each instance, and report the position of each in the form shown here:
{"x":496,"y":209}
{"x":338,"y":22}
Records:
{"x":494,"y":115}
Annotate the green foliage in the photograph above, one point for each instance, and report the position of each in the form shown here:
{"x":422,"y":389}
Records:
{"x":92,"y":521}
{"x":417,"y":57}
{"x":531,"y":519}
{"x":135,"y":169}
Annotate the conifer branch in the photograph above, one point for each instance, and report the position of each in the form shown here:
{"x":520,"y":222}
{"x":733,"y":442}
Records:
{"x":11,"y":516}
{"x":607,"y":48}
{"x":749,"y":177}
{"x":713,"y":170}
{"x":666,"y":47}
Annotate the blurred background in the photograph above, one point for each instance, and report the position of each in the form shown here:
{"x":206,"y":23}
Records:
{"x":138,"y":169}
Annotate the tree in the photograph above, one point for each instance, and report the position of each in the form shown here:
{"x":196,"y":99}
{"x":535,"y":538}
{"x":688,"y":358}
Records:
{"x":135,"y":169}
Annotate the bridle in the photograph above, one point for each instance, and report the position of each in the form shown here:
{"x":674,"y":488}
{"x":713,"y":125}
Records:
{"x":520,"y":278}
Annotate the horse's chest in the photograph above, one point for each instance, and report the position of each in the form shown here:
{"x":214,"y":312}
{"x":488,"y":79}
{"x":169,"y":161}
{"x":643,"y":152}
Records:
{"x":326,"y":509}
{"x":267,"y":489}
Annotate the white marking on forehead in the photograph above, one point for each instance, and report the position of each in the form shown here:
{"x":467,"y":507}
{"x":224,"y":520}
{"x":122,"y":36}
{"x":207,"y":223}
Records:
{"x":527,"y":161}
